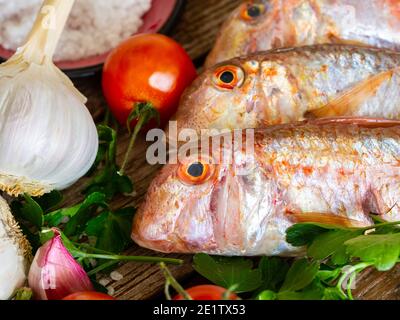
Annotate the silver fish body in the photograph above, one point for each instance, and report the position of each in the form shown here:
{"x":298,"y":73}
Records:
{"x":341,"y":169}
{"x":268,"y":24}
{"x":289,"y":85}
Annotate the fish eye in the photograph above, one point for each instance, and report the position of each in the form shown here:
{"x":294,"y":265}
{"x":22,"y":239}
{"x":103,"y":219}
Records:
{"x":228,"y":77}
{"x":195,"y":172}
{"x":252,"y":11}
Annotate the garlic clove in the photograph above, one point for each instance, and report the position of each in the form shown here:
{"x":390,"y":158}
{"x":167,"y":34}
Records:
{"x":54,"y":273}
{"x":15,"y":253}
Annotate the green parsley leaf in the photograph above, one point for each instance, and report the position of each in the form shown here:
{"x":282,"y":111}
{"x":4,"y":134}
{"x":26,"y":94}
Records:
{"x":333,"y":293}
{"x":310,"y":293}
{"x":112,"y":229}
{"x":108,"y":181}
{"x":302,"y":234}
{"x":267,"y":295}
{"x":228,"y":272}
{"x":300,"y":275}
{"x":273,"y":270}
{"x":28,"y":210}
{"x":55,"y":218}
{"x":380,"y":249}
{"x":107,"y":146}
{"x":80,"y":215}
{"x":328,"y":275}
{"x":49,"y":200}
{"x":331,"y":242}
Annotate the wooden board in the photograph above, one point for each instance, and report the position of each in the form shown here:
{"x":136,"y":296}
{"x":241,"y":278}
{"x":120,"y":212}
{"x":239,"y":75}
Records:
{"x":196,"y":31}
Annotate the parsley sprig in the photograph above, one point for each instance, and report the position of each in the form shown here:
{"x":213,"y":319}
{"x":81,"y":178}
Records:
{"x":335,"y":256}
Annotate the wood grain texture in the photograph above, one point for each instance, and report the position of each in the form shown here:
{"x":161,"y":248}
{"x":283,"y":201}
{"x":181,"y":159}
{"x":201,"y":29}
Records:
{"x":200,"y":24}
{"x":196,"y":31}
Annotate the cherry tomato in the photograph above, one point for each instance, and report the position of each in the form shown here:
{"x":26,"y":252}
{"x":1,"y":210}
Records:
{"x":147,"y":68}
{"x":207,"y":292}
{"x":88,"y":295}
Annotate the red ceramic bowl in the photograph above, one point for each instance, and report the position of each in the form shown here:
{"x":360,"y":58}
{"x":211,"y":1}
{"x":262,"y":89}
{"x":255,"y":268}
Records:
{"x":161,"y":18}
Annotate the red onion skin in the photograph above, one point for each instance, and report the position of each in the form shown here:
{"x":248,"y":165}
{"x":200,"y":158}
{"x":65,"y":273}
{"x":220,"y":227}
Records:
{"x":55,"y":274}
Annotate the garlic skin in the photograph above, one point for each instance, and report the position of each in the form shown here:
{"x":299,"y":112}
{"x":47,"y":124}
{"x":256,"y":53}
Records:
{"x":48,"y":139}
{"x":54,"y":273}
{"x":15,"y":254}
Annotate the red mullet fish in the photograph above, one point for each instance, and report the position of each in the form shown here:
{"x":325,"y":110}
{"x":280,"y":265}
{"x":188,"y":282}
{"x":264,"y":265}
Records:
{"x":333,"y":171}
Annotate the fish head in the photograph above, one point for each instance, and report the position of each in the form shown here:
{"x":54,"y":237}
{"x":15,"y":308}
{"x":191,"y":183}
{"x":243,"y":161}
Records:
{"x":223,"y":97}
{"x":176,"y":214}
{"x":244,"y":31}
{"x":194,"y":205}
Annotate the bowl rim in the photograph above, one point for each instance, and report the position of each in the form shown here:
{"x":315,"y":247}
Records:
{"x":165,"y":29}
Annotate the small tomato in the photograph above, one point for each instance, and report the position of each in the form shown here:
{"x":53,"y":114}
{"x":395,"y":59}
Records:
{"x":147,"y":68}
{"x":207,"y":292}
{"x":88,"y":295}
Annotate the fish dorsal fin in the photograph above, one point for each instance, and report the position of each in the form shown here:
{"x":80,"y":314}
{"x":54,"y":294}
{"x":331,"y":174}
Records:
{"x":359,"y":121}
{"x":352,"y":99}
{"x":326,"y":218}
{"x":333,"y":38}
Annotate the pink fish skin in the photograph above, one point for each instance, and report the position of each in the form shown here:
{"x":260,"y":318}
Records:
{"x":332,"y":170}
{"x":269,"y":24}
{"x":287,"y":85}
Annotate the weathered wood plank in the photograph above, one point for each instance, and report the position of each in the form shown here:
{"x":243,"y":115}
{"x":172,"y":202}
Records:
{"x":196,"y":31}
{"x":200,"y":24}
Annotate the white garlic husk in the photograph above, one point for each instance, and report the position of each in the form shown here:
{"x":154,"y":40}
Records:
{"x":15,"y":254}
{"x":48,"y":139}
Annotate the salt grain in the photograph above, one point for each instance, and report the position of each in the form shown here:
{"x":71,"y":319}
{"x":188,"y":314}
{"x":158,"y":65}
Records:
{"x":116,"y":276}
{"x":111,"y":291}
{"x":94,"y":27}
{"x":104,"y":282}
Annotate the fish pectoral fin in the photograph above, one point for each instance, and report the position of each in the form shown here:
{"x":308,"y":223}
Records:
{"x":326,"y":218}
{"x":351,"y":100}
{"x":359,"y":121}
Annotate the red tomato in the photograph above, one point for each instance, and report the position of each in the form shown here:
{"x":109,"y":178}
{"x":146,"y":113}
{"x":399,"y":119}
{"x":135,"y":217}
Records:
{"x":88,"y":295}
{"x":146,"y":68}
{"x":207,"y":292}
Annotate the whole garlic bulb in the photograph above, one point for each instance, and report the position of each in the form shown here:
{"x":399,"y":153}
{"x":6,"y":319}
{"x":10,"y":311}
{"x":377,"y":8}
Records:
{"x":48,"y":139}
{"x":15,"y":253}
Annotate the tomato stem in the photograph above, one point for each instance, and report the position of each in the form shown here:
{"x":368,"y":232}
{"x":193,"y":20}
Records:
{"x":172,"y":281}
{"x":143,"y":112}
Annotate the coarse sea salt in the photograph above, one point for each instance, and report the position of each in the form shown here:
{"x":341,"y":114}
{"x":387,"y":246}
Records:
{"x":94,"y":27}
{"x":116,"y":276}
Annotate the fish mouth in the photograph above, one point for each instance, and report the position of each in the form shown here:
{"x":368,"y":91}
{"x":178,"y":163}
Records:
{"x":143,"y":236}
{"x":150,"y":235}
{"x":151,"y":232}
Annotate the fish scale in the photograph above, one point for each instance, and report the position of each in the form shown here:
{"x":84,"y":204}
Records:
{"x":287,"y":85}
{"x":293,"y":23}
{"x":334,"y":171}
